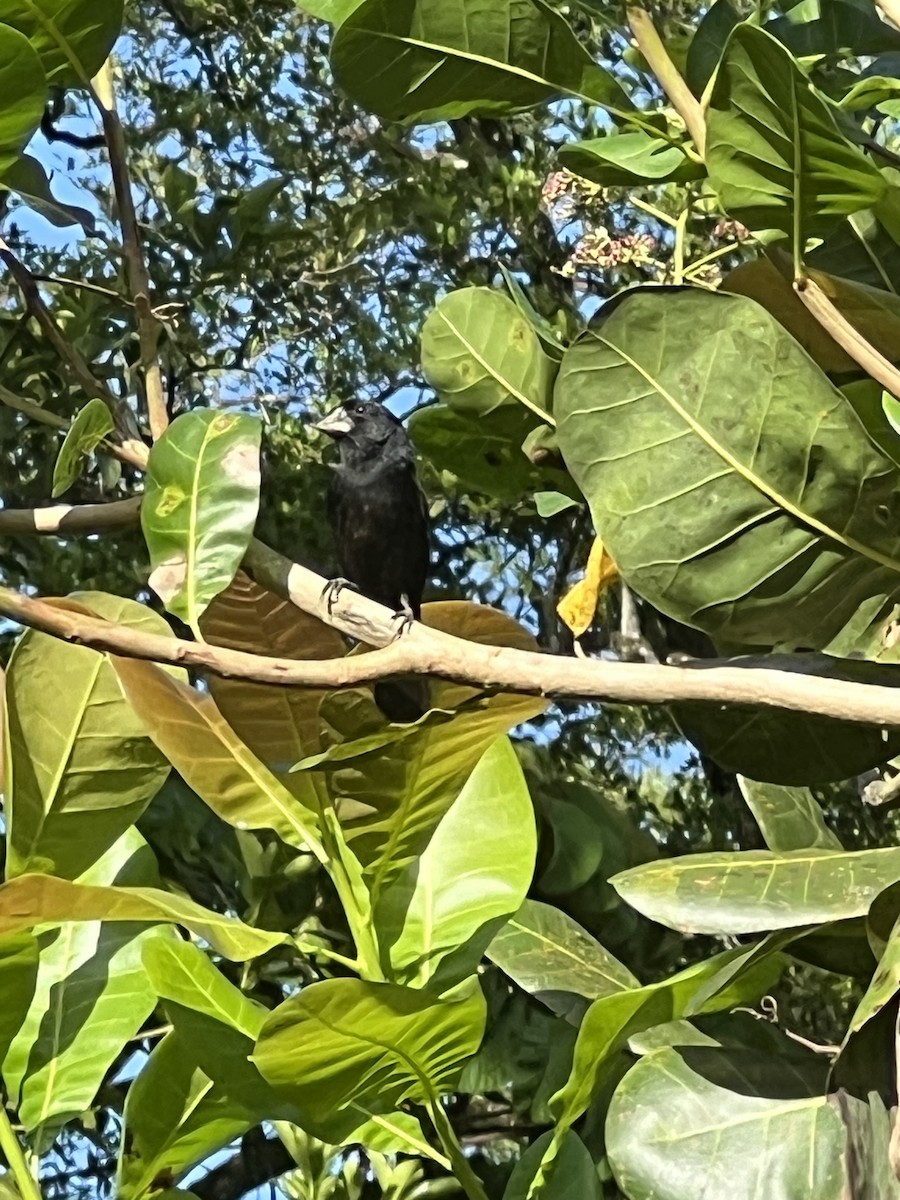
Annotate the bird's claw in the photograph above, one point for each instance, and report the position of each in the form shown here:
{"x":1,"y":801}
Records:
{"x":404,"y":616}
{"x":331,"y":592}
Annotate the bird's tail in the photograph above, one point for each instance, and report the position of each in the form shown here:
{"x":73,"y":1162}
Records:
{"x":402,"y":700}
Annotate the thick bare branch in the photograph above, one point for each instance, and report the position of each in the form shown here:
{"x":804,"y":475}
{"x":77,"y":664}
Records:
{"x":68,"y":518}
{"x":429,"y":652}
{"x":136,"y":267}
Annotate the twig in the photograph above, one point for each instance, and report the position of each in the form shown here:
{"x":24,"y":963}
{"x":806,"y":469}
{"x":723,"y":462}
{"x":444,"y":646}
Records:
{"x":429,"y":652}
{"x":131,"y":451}
{"x":68,"y":518}
{"x":64,"y":348}
{"x":139,"y":281}
{"x":657,"y":58}
{"x":836,"y":324}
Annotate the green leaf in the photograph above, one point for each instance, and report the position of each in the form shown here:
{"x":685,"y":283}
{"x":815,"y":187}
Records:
{"x":90,"y":998}
{"x":200,"y":505}
{"x":774,"y":151}
{"x":479,"y":352}
{"x":891,"y":409}
{"x":375,"y":1044}
{"x":28,"y":179}
{"x":575,"y":1177}
{"x":333,"y":11}
{"x":546,"y":953}
{"x":18,"y":977}
{"x":838,"y":28}
{"x":73,"y":38}
{"x":708,"y":44}
{"x":439,"y":915}
{"x":484,"y":451}
{"x":549,"y":504}
{"x":437,"y":62}
{"x":40,"y":899}
{"x":175,"y":1116}
{"x":80,"y":767}
{"x":629,"y":160}
{"x":403,"y":789}
{"x":870,"y":92}
{"x":756,"y":890}
{"x":778,"y":528}
{"x":87,"y":431}
{"x":611,"y":1020}
{"x":791,"y":747}
{"x":191,"y":732}
{"x":789,"y":818}
{"x":735,"y":1119}
{"x":24,"y":87}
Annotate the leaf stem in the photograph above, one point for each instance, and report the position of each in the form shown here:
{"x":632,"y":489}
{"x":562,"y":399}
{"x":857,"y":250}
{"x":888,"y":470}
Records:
{"x":12,"y":1148}
{"x":657,"y":58}
{"x":459,"y":1164}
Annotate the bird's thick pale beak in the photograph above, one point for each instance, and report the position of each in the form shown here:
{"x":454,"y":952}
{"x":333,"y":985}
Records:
{"x":337,"y":423}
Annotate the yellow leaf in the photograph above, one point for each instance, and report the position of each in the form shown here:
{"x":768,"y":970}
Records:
{"x":578,"y":606}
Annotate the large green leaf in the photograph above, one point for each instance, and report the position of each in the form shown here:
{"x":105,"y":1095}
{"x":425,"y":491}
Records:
{"x":438,"y":60}
{"x":200,"y":505}
{"x":483,"y":453}
{"x":88,"y":429}
{"x":780,"y":527}
{"x":548,"y":954}
{"x":708,"y":43}
{"x":333,"y":11}
{"x":792,"y":747}
{"x":32,"y":900}
{"x":629,"y":160}
{"x":18,"y":976}
{"x":739,"y":1123}
{"x":393,"y":798}
{"x":191,"y":732}
{"x":220,"y":1024}
{"x":73,"y":38}
{"x":439,"y":915}
{"x":80,"y":767}
{"x":375,"y":1044}
{"x":575,"y":1177}
{"x":24,"y":89}
{"x":479,"y":352}
{"x":773,"y":148}
{"x":757,"y":890}
{"x":611,"y":1020}
{"x":91,"y":997}
{"x":789,"y":818}
{"x":176,"y":1117}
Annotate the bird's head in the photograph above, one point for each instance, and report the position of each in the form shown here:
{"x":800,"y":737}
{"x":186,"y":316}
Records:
{"x":362,"y":428}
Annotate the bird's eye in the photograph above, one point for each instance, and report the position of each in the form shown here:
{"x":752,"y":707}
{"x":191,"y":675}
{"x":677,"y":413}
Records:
{"x":359,"y":408}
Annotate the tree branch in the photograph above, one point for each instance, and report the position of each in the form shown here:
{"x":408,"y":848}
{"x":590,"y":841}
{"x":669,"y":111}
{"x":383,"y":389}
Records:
{"x":68,"y":518}
{"x":657,"y":58}
{"x":138,"y":278}
{"x":849,"y":339}
{"x":64,"y":348}
{"x":429,"y":652}
{"x":259,"y":1160}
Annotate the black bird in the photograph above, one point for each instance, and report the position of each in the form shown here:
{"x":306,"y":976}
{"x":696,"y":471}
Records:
{"x":379,"y":519}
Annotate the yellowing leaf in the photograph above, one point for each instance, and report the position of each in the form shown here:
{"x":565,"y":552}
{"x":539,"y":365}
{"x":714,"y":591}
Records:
{"x":578,"y":606}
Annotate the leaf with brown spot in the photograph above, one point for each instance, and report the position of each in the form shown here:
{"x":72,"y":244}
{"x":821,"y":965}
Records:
{"x":200,"y":507}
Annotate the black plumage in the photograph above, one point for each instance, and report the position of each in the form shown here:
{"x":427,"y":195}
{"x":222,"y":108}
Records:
{"x":378,"y":514}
